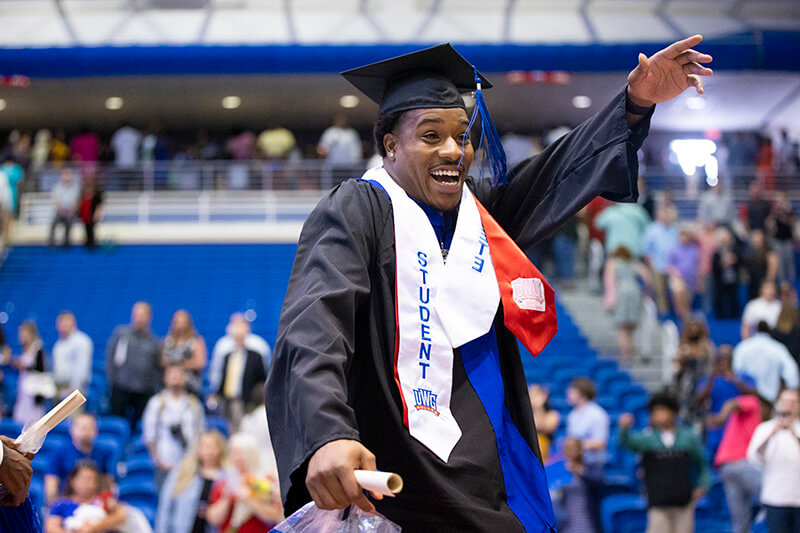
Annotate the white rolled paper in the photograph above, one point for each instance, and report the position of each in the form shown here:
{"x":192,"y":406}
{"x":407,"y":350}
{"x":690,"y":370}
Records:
{"x":386,"y":483}
{"x":32,"y":437}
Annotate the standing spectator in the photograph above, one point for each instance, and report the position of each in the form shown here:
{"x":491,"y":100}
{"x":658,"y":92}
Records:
{"x":29,"y":406}
{"x":15,"y":176}
{"x":760,"y":262}
{"x":65,"y":196}
{"x":683,"y":268}
{"x":133,"y":357}
{"x":646,"y":198}
{"x":6,"y":210}
{"x":624,"y":225}
{"x":100,"y":512}
{"x":787,"y":328}
{"x":695,"y":351}
{"x":781,"y":224}
{"x":183,"y":499}
{"x":589,"y":423}
{"x":341,"y":148}
{"x":172,"y":422}
{"x":125,"y":143}
{"x":242,"y":370}
{"x":716,"y":206}
{"x":90,"y":209}
{"x":226,"y":344}
{"x":276,"y":142}
{"x":725,"y":264}
{"x":715,"y":390}
{"x":81,"y":447}
{"x":59,"y":149}
{"x":254,"y":423}
{"x":241,"y":147}
{"x":595,"y":254}
{"x":85,"y":150}
{"x":246,"y":500}
{"x":775,"y":448}
{"x":72,"y":356}
{"x":767,"y":361}
{"x":185,"y":346}
{"x":660,"y":238}
{"x":757,"y":207}
{"x":545,"y":417}
{"x":766,"y":308}
{"x":741,"y":480}
{"x":675,"y":472}
{"x":574,"y":495}
{"x":623,"y":296}
{"x":563,"y":246}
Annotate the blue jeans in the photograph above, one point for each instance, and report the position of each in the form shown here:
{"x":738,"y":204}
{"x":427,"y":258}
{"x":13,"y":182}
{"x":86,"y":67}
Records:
{"x":742,"y":483}
{"x":564,"y":256}
{"x":783,"y":519}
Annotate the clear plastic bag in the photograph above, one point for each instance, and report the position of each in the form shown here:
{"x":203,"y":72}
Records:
{"x":312,"y":519}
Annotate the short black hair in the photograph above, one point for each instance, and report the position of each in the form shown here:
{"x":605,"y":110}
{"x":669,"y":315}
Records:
{"x":763,"y":327}
{"x":385,"y":123}
{"x":663,"y":399}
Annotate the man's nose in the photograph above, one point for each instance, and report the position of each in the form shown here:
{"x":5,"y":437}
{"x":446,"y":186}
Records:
{"x":451,"y":150}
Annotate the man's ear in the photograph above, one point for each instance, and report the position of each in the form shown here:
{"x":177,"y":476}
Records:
{"x":390,"y":143}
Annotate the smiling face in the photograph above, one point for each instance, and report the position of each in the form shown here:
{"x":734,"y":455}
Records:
{"x":427,"y":147}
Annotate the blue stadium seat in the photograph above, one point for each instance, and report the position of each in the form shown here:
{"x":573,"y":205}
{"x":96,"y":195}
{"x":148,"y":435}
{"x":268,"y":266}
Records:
{"x":624,"y":513}
{"x":140,"y":466}
{"x":217,"y":423}
{"x":139,"y":493}
{"x":9,"y":428}
{"x":115,"y":427}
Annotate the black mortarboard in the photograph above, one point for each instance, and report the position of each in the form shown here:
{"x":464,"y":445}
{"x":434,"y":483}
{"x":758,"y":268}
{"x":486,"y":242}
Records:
{"x":431,"y":78}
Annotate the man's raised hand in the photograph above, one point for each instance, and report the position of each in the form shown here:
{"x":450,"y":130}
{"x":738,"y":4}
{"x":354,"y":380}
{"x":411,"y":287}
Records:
{"x":667,"y":73}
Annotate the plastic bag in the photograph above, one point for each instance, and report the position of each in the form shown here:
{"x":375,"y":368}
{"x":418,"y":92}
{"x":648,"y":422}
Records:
{"x":312,"y":519}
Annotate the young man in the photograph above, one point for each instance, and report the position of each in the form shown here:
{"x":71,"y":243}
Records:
{"x":393,"y":342}
{"x":676,"y":473}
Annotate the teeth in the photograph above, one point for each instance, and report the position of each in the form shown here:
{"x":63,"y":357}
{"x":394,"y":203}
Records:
{"x":450,"y":173}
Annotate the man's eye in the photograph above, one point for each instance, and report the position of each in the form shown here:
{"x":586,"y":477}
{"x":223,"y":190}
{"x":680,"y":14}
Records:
{"x":430,"y":136}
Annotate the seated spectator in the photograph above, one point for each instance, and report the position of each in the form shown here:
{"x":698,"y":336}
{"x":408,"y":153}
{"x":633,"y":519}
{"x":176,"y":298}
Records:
{"x":573,"y":497}
{"x":676,"y":474}
{"x":715,"y":390}
{"x":81,"y":447}
{"x":775,"y":448}
{"x":172,"y":422}
{"x":85,"y":506}
{"x":242,"y":370}
{"x":184,"y":345}
{"x":766,"y":307}
{"x":545,"y":417}
{"x":787,"y":328}
{"x":245,"y":500}
{"x":589,"y":423}
{"x":183,"y":499}
{"x":624,"y":278}
{"x":683,"y":269}
{"x":741,"y":480}
{"x":254,"y":423}
{"x":65,"y":196}
{"x":225,"y":345}
{"x":767,"y":361}
{"x":760,"y":263}
{"x":29,"y":405}
{"x":133,"y":365}
{"x":695,"y":351}
{"x":725,"y":265}
{"x":72,"y":356}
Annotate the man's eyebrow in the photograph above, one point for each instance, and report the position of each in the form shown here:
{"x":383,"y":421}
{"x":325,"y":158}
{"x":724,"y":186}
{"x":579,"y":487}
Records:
{"x":430,"y":120}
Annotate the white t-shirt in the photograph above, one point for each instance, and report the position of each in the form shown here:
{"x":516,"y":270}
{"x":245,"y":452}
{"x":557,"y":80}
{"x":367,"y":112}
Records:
{"x":125,"y":143}
{"x":72,"y":359}
{"x":342,"y":145}
{"x":760,"y":309}
{"x":780,"y":486}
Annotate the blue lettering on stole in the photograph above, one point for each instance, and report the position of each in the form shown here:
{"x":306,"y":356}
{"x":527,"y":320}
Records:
{"x":479,"y":261}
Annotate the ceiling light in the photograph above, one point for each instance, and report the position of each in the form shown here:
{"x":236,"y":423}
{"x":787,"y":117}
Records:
{"x":693,"y":153}
{"x":582,"y":102}
{"x":349,"y":101}
{"x":113,"y":103}
{"x":231,"y":102}
{"x":695,"y":103}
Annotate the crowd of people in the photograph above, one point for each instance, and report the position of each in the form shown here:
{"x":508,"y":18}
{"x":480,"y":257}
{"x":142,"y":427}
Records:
{"x":165,"y":388}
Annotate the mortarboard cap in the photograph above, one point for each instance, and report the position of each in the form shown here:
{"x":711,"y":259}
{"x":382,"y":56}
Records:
{"x":431,"y":78}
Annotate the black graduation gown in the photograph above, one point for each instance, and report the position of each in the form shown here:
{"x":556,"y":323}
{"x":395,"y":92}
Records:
{"x":332,"y":377}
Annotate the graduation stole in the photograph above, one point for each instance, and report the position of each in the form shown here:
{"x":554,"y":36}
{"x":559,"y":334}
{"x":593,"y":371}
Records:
{"x":444,"y":305}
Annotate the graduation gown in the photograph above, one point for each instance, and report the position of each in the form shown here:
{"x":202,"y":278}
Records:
{"x":332,"y":374}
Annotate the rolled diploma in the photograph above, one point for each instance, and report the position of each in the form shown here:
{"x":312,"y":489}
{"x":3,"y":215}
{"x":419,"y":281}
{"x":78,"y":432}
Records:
{"x":34,"y":435}
{"x":385,"y":483}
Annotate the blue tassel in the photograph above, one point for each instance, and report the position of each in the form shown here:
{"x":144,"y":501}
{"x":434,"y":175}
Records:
{"x":492,"y":157}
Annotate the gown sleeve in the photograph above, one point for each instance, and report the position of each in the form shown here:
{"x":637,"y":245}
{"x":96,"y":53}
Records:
{"x":307,"y":390}
{"x":598,"y":158}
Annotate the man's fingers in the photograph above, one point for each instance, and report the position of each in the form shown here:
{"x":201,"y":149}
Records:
{"x":696,"y":82}
{"x":693,"y":56}
{"x":354,"y":492}
{"x":335,"y":490}
{"x":675,"y":49}
{"x":694,"y":68}
{"x":320,"y":495}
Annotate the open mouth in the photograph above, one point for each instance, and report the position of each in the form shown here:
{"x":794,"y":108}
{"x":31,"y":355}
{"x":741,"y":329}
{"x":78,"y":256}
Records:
{"x":446,"y":176}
